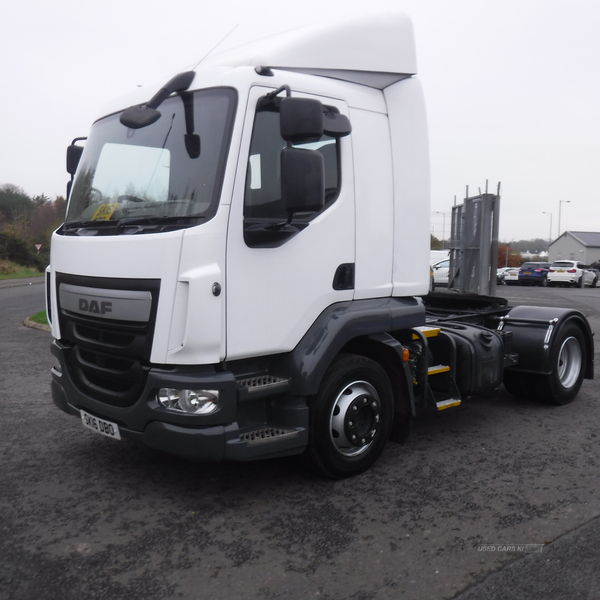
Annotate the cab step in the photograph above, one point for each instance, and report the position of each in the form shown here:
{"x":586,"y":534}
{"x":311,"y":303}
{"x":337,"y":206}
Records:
{"x":427,"y":331}
{"x":437,"y":369}
{"x":266,"y":435}
{"x":450,"y":403}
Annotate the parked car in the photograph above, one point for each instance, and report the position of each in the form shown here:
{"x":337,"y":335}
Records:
{"x":440,"y":272}
{"x":571,"y":273}
{"x":510,"y":276}
{"x":500,"y":274}
{"x":534,"y":273}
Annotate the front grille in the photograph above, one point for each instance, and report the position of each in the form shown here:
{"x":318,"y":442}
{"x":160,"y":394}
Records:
{"x":108,"y":359}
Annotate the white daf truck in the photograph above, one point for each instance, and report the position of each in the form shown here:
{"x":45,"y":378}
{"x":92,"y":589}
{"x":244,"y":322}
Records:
{"x":242,"y":268}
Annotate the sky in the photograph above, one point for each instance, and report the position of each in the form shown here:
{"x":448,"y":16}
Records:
{"x":512,"y":88}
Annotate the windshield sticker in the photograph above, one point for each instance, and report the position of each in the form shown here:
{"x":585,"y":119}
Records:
{"x":105,"y":211}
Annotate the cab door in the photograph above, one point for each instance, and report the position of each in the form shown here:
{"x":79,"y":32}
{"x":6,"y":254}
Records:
{"x":279,"y":282}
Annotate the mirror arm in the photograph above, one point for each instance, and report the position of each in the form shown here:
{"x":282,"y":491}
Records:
{"x":286,"y":88}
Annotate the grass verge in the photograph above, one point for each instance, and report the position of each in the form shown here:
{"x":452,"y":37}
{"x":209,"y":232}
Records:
{"x":40,"y":318}
{"x":10,"y":270}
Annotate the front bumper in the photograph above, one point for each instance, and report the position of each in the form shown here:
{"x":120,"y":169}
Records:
{"x":243,"y":428}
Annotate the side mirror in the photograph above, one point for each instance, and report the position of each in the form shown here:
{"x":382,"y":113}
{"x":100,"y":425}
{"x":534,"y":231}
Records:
{"x":301,"y":119}
{"x":302,"y":180}
{"x":73,"y":158}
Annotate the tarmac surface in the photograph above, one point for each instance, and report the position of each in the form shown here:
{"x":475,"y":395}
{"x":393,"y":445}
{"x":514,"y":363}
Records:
{"x":496,"y":500}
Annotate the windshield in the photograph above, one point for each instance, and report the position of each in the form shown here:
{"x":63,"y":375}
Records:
{"x":171,"y":170}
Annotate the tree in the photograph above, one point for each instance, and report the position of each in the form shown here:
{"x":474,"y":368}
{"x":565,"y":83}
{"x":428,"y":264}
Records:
{"x":507,"y":257}
{"x":435,"y":243}
{"x":15,"y":203}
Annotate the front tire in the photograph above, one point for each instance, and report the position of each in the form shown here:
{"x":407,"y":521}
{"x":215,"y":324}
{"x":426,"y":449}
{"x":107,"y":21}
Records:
{"x":350,"y":417}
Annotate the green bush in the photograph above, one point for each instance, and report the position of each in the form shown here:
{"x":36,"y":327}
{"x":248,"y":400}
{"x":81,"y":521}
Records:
{"x":17,"y":251}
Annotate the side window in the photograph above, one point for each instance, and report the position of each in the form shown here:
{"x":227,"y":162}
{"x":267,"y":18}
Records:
{"x":262,"y":199}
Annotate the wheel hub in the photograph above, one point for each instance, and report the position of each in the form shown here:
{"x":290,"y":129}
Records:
{"x":355,"y":418}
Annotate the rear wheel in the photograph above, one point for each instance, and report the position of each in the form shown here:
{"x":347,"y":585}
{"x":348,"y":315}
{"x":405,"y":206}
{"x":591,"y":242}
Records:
{"x":595,"y":282}
{"x":568,"y":358}
{"x":350,"y":417}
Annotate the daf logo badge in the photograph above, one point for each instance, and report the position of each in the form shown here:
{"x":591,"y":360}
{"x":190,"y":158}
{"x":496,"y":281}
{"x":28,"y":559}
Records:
{"x":95,"y":307}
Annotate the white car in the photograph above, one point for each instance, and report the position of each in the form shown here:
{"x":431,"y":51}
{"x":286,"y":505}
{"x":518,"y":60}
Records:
{"x":571,"y":273}
{"x":440,"y":272}
{"x":511,"y":276}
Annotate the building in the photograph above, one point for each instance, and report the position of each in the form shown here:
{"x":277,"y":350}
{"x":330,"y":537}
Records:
{"x":576,"y":245}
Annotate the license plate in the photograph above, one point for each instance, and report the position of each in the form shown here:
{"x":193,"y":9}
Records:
{"x":559,"y":271}
{"x":100,"y":425}
{"x":526,"y":272}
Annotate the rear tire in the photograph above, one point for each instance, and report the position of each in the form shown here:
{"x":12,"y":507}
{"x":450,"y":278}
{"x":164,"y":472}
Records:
{"x":568,"y":358}
{"x":350,"y":417}
{"x":595,"y":282}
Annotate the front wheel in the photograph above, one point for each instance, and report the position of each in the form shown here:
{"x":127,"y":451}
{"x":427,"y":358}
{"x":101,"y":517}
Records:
{"x":350,"y":417}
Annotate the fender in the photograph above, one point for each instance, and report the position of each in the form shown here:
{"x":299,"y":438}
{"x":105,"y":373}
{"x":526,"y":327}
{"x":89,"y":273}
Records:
{"x":337,"y":325}
{"x":534,"y":329}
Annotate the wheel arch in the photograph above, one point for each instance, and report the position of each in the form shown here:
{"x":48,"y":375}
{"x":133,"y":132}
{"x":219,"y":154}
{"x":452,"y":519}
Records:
{"x":387,"y":351}
{"x":534,"y":329}
{"x":358,"y":327}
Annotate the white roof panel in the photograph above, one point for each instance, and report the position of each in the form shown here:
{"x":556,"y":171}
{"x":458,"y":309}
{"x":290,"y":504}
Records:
{"x":375,"y":50}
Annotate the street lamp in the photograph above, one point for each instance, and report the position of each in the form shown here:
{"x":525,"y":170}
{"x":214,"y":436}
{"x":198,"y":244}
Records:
{"x":550,"y":238}
{"x":560,"y":203}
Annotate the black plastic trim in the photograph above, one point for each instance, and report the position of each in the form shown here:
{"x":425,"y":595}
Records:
{"x":335,"y":327}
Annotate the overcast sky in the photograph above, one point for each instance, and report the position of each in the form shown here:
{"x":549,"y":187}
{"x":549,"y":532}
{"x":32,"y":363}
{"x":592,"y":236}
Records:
{"x":512,"y":88}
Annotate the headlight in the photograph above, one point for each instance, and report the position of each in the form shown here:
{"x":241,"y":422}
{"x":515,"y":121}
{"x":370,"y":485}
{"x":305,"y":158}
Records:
{"x":194,"y":402}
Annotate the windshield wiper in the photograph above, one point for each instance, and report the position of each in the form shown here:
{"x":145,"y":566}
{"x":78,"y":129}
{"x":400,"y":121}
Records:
{"x":125,"y":222}
{"x":139,"y":224}
{"x":88,"y":223}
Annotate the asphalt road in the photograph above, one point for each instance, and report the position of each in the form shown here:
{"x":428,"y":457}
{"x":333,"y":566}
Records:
{"x":82,"y":516}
